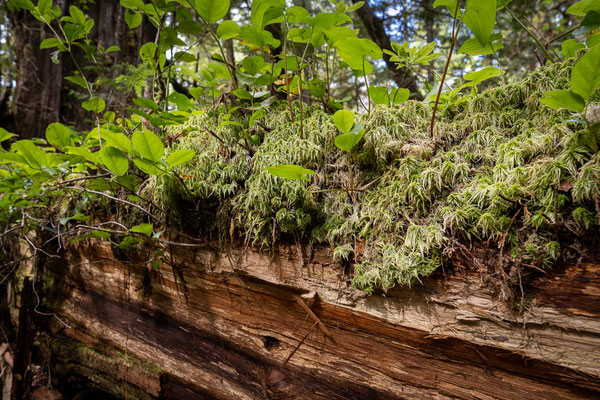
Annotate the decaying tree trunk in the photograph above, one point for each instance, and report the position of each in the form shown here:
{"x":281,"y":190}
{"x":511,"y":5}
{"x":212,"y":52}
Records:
{"x":238,"y":324}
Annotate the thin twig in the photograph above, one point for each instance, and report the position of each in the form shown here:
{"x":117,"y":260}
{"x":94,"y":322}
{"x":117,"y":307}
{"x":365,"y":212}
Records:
{"x":455,"y":30}
{"x":299,"y":344}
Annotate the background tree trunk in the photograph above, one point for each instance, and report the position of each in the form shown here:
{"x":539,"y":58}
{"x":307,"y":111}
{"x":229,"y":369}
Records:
{"x":41,"y":95}
{"x":376,"y":30}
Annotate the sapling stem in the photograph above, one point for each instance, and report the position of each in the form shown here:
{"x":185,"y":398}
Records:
{"x":455,"y":30}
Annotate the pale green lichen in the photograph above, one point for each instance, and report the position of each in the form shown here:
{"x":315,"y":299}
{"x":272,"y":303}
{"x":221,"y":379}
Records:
{"x":493,"y":173}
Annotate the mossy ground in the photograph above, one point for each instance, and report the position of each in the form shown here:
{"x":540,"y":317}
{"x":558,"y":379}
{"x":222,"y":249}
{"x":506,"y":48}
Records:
{"x":502,"y":168}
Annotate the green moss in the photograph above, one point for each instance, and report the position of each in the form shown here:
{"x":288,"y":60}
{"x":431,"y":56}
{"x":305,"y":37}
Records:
{"x":491,"y":174}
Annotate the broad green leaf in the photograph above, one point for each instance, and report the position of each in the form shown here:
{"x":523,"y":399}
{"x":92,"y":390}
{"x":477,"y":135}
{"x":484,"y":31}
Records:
{"x":482,"y":75}
{"x":146,"y":103}
{"x":148,"y":145}
{"x":228,"y":29}
{"x":379,"y":95}
{"x":212,"y":10}
{"x":581,"y":8}
{"x":563,"y":99}
{"x":35,"y":156}
{"x":118,"y":140}
{"x":84,"y":153}
{"x":255,"y":115}
{"x":182,"y":101}
{"x":133,"y":19}
{"x":114,"y":160}
{"x":6,"y":158}
{"x":450,"y":5}
{"x":129,"y":181}
{"x":184,"y":56}
{"x":353,"y":51}
{"x":289,"y":171}
{"x":355,"y":6}
{"x":95,"y":104}
{"x":570,"y":47}
{"x":78,"y":80}
{"x":147,"y":51}
{"x":99,"y":234}
{"x":59,"y":135}
{"x":50,"y":43}
{"x":252,"y":65}
{"x":145,"y":229}
{"x":399,"y":96}
{"x":480,"y":17}
{"x":474,"y":48}
{"x":344,"y":120}
{"x":585,"y":76}
{"x":26,"y":4}
{"x":5,"y":135}
{"x":133,"y":4}
{"x":180,"y":157}
{"x":147,"y":167}
{"x":317,"y":88}
{"x":77,"y":217}
{"x":347,"y":141}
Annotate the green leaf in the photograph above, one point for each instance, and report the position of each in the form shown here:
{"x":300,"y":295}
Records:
{"x":482,"y":75}
{"x":5,"y":135}
{"x":570,"y":47}
{"x":399,"y":96}
{"x":35,"y":156}
{"x":78,"y":80}
{"x":289,"y":171}
{"x":450,"y":5}
{"x":145,"y":229}
{"x":474,"y":48}
{"x":118,"y":140}
{"x":347,"y":141}
{"x":212,"y":10}
{"x":344,"y":120}
{"x":585,"y":76}
{"x":184,"y":56}
{"x":255,"y":115}
{"x":228,"y":29}
{"x":563,"y":99}
{"x":252,"y":65}
{"x":59,"y":135}
{"x":133,"y":4}
{"x":147,"y":167}
{"x":77,"y":217}
{"x":355,"y":6}
{"x":114,"y":160}
{"x":353,"y":51}
{"x":129,"y":181}
{"x":379,"y":95}
{"x":26,"y":4}
{"x":84,"y":153}
{"x":317,"y":88}
{"x":99,"y":234}
{"x":480,"y":17}
{"x":581,"y":8}
{"x":148,"y":145}
{"x":180,"y":157}
{"x":133,"y":19}
{"x":146,"y":103}
{"x":50,"y":43}
{"x":95,"y":104}
{"x":181,"y":100}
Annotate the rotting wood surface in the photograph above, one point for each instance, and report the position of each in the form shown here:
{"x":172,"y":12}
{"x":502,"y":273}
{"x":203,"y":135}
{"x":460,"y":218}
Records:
{"x":224,"y":335}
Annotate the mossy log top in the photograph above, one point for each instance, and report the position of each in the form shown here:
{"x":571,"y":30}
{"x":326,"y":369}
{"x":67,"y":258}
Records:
{"x":502,"y":169}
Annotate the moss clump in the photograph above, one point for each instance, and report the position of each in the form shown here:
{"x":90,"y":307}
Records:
{"x":500,"y":169}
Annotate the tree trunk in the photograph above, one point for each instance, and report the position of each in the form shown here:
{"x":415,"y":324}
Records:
{"x":376,"y":30}
{"x":41,"y":95}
